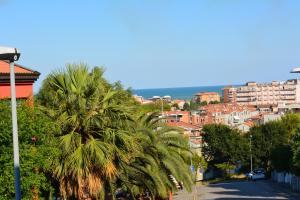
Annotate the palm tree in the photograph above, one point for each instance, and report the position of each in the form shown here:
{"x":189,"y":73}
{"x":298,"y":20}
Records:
{"x":165,"y":153}
{"x":95,"y":134}
{"x":102,"y":146}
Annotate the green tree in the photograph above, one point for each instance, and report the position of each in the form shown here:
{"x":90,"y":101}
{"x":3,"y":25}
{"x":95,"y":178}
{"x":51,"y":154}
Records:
{"x":104,"y":144}
{"x":203,"y":103}
{"x":36,"y":152}
{"x":186,"y":106}
{"x":175,"y":105}
{"x":223,"y":145}
{"x":153,"y":107}
{"x":165,"y":153}
{"x":225,"y":168}
{"x":95,"y":134}
{"x":198,"y":162}
{"x":265,"y":138}
{"x":291,"y":123}
{"x":281,"y":158}
{"x":214,"y":102}
{"x":295,"y":145}
{"x":194,"y":105}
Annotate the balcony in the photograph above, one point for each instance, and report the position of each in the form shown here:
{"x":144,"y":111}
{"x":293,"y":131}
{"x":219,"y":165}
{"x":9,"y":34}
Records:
{"x":288,"y":98}
{"x":288,"y":89}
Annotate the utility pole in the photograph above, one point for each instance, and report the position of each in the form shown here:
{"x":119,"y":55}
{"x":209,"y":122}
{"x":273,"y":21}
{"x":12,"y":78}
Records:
{"x":251,"y":153}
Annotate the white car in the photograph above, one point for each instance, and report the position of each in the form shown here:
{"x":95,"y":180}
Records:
{"x":257,"y":174}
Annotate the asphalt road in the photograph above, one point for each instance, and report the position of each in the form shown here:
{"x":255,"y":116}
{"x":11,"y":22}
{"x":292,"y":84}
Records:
{"x":245,"y":190}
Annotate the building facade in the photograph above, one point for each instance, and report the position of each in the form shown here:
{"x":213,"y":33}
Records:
{"x":24,"y":77}
{"x":226,"y":113}
{"x":264,"y":94}
{"x":207,"y":97}
{"x":177,"y":116}
{"x":193,"y":132}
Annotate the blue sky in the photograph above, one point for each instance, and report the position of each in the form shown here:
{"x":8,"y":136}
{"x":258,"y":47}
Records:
{"x":158,"y":43}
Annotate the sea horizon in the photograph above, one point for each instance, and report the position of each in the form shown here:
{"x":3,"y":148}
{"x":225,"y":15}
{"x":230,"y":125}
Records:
{"x":184,"y":93}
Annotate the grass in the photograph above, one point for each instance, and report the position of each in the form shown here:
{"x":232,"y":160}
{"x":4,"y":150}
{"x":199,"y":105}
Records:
{"x":231,"y":178}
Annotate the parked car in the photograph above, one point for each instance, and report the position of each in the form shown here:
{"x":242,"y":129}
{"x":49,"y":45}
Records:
{"x":257,"y":174}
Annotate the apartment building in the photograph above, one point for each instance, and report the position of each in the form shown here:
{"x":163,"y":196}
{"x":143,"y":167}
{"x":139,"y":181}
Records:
{"x":264,"y":94}
{"x":225,"y":113}
{"x":207,"y":97}
{"x":229,"y":94}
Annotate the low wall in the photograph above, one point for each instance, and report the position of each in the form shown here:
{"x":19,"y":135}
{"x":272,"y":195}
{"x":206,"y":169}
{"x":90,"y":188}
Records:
{"x":287,"y":178}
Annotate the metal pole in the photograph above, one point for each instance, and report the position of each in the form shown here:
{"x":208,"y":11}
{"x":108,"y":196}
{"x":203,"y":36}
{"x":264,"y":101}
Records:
{"x":15,"y":131}
{"x":162,"y":106}
{"x":251,"y":153}
{"x":190,"y":143}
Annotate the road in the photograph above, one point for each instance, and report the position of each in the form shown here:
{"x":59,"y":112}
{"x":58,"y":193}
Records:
{"x":244,"y":190}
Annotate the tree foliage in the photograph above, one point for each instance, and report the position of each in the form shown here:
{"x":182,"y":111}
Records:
{"x":153,"y":107}
{"x":36,"y":152}
{"x":223,"y":144}
{"x":271,"y":142}
{"x":165,"y":152}
{"x":104,"y":142}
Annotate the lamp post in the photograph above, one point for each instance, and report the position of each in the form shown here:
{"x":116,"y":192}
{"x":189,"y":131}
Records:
{"x":251,"y":153}
{"x":12,"y":55}
{"x":162,"y":105}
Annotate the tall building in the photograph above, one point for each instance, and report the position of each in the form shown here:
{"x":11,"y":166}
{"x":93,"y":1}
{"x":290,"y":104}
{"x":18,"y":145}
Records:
{"x":229,"y":94}
{"x":256,"y":94}
{"x":24,"y":81}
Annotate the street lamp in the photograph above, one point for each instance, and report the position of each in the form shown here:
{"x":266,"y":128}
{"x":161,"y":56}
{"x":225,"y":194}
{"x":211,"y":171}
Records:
{"x":162,"y":106}
{"x":251,"y":152}
{"x":12,"y":55}
{"x":296,"y":70}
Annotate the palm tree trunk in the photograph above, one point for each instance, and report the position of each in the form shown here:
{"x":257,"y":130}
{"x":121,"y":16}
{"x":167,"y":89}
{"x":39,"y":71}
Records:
{"x":35,"y":192}
{"x":170,"y":195}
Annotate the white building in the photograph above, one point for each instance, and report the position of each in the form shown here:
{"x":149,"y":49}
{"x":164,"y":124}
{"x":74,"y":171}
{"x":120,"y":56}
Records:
{"x":264,"y":94}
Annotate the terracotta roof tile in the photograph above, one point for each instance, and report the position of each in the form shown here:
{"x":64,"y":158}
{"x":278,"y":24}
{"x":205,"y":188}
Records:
{"x":4,"y":69}
{"x":176,"y":113}
{"x":182,"y":125}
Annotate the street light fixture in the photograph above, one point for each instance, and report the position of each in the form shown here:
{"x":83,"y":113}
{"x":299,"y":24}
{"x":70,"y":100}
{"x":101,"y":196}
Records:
{"x":296,"y":70}
{"x":12,"y":55}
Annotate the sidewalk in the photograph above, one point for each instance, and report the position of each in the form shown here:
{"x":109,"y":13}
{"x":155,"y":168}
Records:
{"x":184,"y":195}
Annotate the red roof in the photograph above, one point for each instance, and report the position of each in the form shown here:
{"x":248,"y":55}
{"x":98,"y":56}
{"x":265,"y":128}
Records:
{"x":179,"y":101}
{"x":249,"y":123}
{"x":4,"y":69}
{"x":176,"y":112}
{"x":23,"y":74}
{"x":183,"y":125}
{"x":226,"y":108}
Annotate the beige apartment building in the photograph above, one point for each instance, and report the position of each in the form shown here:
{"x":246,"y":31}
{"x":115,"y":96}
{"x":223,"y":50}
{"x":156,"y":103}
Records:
{"x":256,"y":94}
{"x":207,"y":97}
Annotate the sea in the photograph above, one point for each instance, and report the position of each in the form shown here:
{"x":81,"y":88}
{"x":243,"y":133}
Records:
{"x":185,"y":93}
